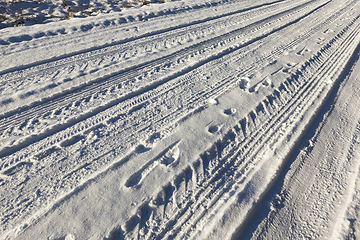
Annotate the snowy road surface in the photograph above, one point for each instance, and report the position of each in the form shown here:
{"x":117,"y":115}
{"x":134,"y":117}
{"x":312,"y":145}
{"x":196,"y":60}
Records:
{"x":184,"y":120}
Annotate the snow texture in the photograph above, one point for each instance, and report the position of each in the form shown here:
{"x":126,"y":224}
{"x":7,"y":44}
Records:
{"x":191,"y":119}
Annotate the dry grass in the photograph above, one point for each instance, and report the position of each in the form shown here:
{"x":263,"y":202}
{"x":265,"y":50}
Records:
{"x":17,"y":12}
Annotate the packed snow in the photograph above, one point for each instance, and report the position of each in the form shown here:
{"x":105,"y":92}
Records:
{"x":191,"y":119}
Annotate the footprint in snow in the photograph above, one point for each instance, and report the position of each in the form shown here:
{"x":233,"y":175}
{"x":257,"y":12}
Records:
{"x":166,"y":158}
{"x":213,"y":129}
{"x":244,"y":83}
{"x":230,"y":111}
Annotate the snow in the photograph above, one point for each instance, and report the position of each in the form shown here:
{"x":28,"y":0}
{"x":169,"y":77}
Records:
{"x":186,"y":119}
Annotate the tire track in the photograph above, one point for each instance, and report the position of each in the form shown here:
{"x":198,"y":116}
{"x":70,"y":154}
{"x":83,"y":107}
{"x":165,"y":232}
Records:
{"x":123,"y":20}
{"x":228,"y":160}
{"x":97,"y":121}
{"x":93,"y":161}
{"x":193,"y":102}
{"x":112,"y":114}
{"x":149,"y":65}
{"x":86,"y":92}
{"x":143,"y":43}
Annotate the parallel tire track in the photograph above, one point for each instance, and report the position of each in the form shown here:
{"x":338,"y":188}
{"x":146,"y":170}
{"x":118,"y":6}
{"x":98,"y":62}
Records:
{"x":145,"y":98}
{"x":86,"y":92}
{"x":141,"y":42}
{"x":244,"y":129}
{"x":202,"y":96}
{"x":113,"y":54}
{"x":226,"y":162}
{"x":83,"y":91}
